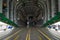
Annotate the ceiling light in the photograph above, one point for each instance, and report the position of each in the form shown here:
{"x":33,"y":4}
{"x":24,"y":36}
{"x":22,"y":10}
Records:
{"x":17,"y":0}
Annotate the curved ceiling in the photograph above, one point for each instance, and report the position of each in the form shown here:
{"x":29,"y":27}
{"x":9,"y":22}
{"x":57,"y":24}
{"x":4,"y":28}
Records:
{"x":29,"y":8}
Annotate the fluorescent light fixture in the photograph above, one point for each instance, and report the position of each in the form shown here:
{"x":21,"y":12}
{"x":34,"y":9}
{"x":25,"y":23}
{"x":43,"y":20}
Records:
{"x":2,"y":23}
{"x":57,"y":23}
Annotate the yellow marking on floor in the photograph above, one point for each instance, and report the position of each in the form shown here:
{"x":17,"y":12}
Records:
{"x":16,"y":37}
{"x":44,"y":35}
{"x":39,"y":38}
{"x":28,"y":35}
{"x":13,"y":35}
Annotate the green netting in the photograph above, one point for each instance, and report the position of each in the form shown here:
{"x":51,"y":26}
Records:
{"x":53,"y":20}
{"x":5,"y":20}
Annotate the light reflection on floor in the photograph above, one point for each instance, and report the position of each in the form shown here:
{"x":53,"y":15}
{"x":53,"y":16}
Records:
{"x":4,"y":30}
